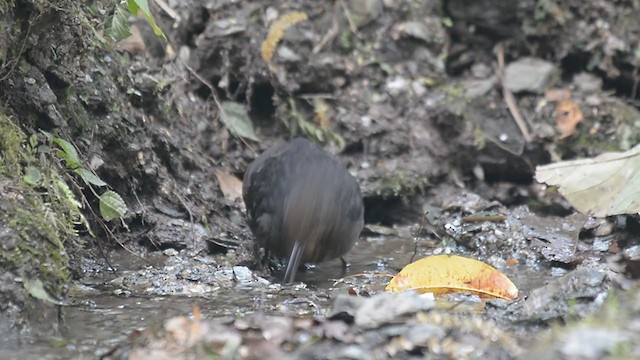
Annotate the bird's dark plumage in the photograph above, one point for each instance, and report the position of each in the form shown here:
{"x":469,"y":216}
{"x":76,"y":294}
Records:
{"x":302,"y":203}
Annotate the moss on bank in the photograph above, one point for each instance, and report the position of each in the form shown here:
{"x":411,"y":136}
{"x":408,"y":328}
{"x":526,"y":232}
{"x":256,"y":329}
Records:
{"x":37,"y":223}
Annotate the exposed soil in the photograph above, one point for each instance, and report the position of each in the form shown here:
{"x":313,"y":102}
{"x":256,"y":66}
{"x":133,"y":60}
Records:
{"x":418,"y":99}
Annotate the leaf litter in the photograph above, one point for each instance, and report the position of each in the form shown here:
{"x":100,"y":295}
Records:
{"x":608,"y":184}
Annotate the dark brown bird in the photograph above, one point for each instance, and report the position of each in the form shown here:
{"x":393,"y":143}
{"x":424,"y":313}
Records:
{"x":302,"y":203}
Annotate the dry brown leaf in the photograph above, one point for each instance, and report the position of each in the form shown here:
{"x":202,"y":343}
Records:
{"x":568,"y":116}
{"x":134,"y":44}
{"x":442,"y":274}
{"x":196,"y":313}
{"x":230,"y":185}
{"x":184,"y":332}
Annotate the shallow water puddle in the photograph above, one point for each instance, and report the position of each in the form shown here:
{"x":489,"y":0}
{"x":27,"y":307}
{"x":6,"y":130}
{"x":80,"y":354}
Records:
{"x":100,"y":319}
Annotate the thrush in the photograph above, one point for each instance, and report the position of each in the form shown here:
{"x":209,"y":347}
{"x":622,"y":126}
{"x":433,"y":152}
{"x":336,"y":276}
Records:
{"x":302,"y":203}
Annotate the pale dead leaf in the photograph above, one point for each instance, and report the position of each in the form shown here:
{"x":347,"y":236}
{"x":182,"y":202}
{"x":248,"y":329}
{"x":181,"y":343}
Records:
{"x":230,"y":185}
{"x":134,"y":44}
{"x":236,"y":119}
{"x":555,"y":95}
{"x":606,"y":185}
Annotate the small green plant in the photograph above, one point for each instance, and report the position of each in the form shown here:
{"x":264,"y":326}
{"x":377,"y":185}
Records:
{"x":43,"y":176}
{"x":40,"y":174}
{"x":297,"y":123}
{"x":118,"y":26}
{"x":58,"y":200}
{"x":111,"y":204}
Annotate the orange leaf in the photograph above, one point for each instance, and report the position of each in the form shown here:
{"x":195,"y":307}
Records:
{"x":568,"y":116}
{"x":196,"y":313}
{"x":442,"y":274}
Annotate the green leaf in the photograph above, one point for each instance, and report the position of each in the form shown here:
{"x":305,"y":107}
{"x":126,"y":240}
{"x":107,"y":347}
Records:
{"x":236,"y":119}
{"x":111,"y":205}
{"x":136,"y":5}
{"x":47,"y":135}
{"x":89,"y":177}
{"x":33,"y":142}
{"x":133,"y":7}
{"x":68,"y":153}
{"x":118,"y":27}
{"x":32,"y":176}
{"x":36,"y":289}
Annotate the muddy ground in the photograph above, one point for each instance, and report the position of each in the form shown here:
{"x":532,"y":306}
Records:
{"x":421,"y":100}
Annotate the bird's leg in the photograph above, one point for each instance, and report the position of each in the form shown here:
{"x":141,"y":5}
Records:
{"x":345,"y":265}
{"x":264,"y":262}
{"x":294,"y":261}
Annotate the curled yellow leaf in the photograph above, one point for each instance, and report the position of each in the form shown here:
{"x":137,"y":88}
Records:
{"x":442,"y":274}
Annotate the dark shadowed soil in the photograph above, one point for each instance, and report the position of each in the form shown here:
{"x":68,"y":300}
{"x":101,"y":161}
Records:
{"x":441,"y":109}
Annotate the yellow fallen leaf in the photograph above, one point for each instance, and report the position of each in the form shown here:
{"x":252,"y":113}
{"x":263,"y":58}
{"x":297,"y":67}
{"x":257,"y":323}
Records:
{"x":442,"y":274}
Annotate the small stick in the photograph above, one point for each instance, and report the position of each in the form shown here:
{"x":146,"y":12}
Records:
{"x":509,"y":99}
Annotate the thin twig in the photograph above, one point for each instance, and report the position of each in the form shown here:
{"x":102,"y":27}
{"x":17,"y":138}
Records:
{"x":184,"y":204}
{"x":331,"y":34}
{"x":480,"y":218}
{"x":214,"y":95}
{"x":509,"y":99}
{"x":15,"y":61}
{"x":352,"y":24}
{"x":168,"y":10}
{"x":636,"y":79}
{"x":423,"y":221}
{"x":144,"y":211}
{"x":360,"y":276}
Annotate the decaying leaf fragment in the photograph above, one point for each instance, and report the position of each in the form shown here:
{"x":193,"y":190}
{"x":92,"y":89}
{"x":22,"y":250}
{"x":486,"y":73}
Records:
{"x":608,"y":184}
{"x":236,"y":119}
{"x":442,"y":274}
{"x":230,"y":185}
{"x":568,"y":116}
